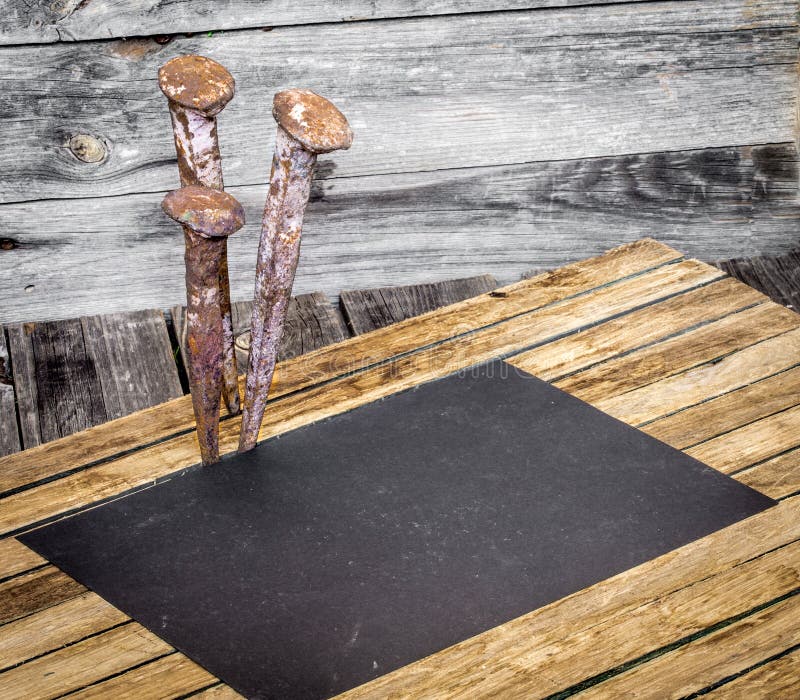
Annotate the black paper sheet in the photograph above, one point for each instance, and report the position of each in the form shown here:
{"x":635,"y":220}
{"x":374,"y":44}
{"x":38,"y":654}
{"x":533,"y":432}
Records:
{"x":345,"y":549}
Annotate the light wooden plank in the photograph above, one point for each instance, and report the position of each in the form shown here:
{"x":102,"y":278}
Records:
{"x":218,"y":692}
{"x":83,"y":663}
{"x":172,"y":676}
{"x":412,"y":227}
{"x":736,"y":370}
{"x":730,"y":411}
{"x":456,"y":94}
{"x":294,"y":410}
{"x":9,"y":430}
{"x":78,"y":21}
{"x":602,"y":626}
{"x":751,"y":443}
{"x":637,"y":329}
{"x":777,"y":679}
{"x":703,"y":663}
{"x":369,"y":309}
{"x":34,"y":591}
{"x":598,"y":384}
{"x":778,"y":477}
{"x":15,"y":558}
{"x":133,"y":357}
{"x":155,"y":424}
{"x":55,"y":627}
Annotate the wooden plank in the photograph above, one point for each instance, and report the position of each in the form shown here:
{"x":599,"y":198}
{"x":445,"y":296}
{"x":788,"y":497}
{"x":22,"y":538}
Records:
{"x":16,"y":558}
{"x":133,"y":358}
{"x":218,"y":692}
{"x":311,"y":323}
{"x":368,"y":309}
{"x":83,"y":663}
{"x":172,"y":676}
{"x":76,"y":21}
{"x":733,"y":410}
{"x":637,"y":330}
{"x":602,"y":626}
{"x":413,"y":227}
{"x":736,"y":370}
{"x":751,"y":443}
{"x":700,"y":664}
{"x":324,"y":364}
{"x":658,"y":77}
{"x":291,"y":411}
{"x":778,"y":679}
{"x":34,"y":591}
{"x":9,"y":430}
{"x":22,"y":360}
{"x":55,"y":627}
{"x":778,"y":477}
{"x":777,"y":276}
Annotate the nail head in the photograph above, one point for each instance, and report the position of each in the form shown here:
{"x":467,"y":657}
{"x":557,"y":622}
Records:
{"x":197,"y":82}
{"x":208,"y":212}
{"x":312,"y":120}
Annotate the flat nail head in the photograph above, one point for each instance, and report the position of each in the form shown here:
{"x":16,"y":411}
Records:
{"x":208,"y":212}
{"x":312,"y":120}
{"x":197,"y":82}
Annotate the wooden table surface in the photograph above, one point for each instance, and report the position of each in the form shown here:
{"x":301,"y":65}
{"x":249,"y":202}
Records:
{"x":673,"y":346}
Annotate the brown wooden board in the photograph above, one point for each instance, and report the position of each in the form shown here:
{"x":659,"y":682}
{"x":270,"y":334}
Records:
{"x":341,"y":551}
{"x":9,"y":430}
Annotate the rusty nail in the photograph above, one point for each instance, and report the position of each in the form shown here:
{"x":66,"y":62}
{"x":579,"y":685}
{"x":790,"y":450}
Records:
{"x":198,"y":89}
{"x":208,"y":217}
{"x":308,"y":124}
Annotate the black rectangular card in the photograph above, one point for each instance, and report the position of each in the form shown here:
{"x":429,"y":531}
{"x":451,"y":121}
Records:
{"x":345,"y":549}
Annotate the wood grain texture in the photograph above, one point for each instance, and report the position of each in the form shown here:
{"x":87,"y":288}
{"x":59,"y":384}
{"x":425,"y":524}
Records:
{"x":412,"y":227}
{"x":9,"y":430}
{"x":703,"y":663}
{"x":176,"y":416}
{"x":658,"y":77}
{"x":55,"y":627}
{"x":369,"y":309}
{"x":351,"y":390}
{"x":78,"y":373}
{"x":311,"y":323}
{"x":218,"y":692}
{"x":16,"y":558}
{"x":80,"y":664}
{"x":778,"y":276}
{"x":102,"y":19}
{"x":172,"y":676}
{"x":778,"y":477}
{"x":778,"y":679}
{"x":34,"y":591}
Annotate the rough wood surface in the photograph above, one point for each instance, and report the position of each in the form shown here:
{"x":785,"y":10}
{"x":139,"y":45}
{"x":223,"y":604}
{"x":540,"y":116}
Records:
{"x":727,"y":578}
{"x":368,"y":309}
{"x":34,"y":591}
{"x":176,"y":416}
{"x":311,"y":323}
{"x":778,"y":276}
{"x":9,"y":430}
{"x":778,"y":679}
{"x":71,"y":20}
{"x":414,"y":227}
{"x":77,"y":373}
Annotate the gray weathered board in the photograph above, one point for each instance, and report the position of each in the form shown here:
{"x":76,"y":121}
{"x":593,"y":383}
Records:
{"x":485,"y":141}
{"x":70,"y":375}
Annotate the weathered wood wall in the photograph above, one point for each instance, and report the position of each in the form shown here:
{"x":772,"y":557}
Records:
{"x":490,"y":137}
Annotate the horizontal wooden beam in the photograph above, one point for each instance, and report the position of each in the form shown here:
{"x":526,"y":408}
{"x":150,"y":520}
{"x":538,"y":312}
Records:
{"x":450,"y":92}
{"x":70,"y":257}
{"x":72,"y":20}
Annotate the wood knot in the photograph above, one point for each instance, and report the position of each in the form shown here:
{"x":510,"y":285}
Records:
{"x":87,"y":148}
{"x":8,"y":244}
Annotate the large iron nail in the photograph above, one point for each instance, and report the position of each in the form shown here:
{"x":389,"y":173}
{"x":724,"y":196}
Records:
{"x":208,"y":216}
{"x":307,"y":125}
{"x":198,"y":89}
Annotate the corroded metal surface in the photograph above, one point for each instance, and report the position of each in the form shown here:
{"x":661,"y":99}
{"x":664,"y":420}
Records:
{"x":323,"y":128}
{"x":198,"y":88}
{"x":208,"y":216}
